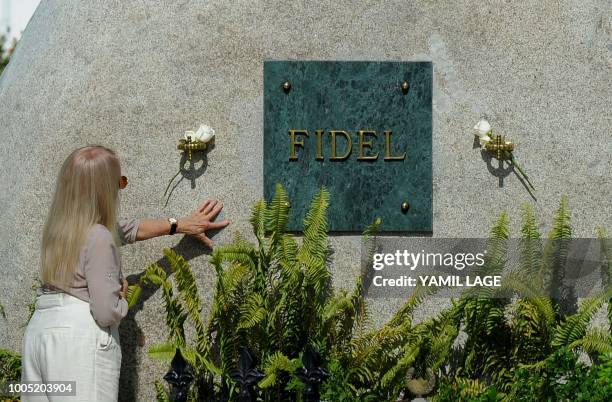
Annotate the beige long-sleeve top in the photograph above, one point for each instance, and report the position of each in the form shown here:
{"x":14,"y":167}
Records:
{"x":98,"y":277}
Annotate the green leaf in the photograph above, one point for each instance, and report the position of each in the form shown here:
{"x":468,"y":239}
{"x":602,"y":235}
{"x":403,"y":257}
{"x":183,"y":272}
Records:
{"x":133,"y":294}
{"x":163,"y":352}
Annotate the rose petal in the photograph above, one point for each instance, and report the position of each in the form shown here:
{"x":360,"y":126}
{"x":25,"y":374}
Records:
{"x":484,"y":139}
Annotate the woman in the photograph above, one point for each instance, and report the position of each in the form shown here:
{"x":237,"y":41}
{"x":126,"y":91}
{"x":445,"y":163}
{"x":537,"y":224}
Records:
{"x":73,"y":335}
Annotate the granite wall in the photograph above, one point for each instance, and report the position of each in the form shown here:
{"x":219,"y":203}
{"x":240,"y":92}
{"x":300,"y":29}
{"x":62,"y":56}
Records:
{"x":133,"y":75}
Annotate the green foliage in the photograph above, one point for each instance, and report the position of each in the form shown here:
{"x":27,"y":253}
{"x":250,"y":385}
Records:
{"x":10,"y":366}
{"x":133,"y":294}
{"x":10,"y":371}
{"x":606,"y":248}
{"x":5,"y":56}
{"x":573,"y":328}
{"x":161,"y":394}
{"x":527,"y":337}
{"x":464,"y":390}
{"x":275,"y":297}
{"x":560,"y":377}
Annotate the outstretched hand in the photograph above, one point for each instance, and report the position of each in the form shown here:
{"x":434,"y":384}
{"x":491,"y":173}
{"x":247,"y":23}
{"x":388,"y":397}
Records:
{"x":201,"y":220}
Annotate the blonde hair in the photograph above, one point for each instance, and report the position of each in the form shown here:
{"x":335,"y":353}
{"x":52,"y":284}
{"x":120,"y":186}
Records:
{"x":86,"y":193}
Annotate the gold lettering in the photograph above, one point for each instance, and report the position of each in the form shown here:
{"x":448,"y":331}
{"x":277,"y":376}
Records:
{"x":334,"y":156}
{"x":366,"y":144}
{"x":319,"y":134}
{"x":293,"y":143}
{"x":388,"y":156}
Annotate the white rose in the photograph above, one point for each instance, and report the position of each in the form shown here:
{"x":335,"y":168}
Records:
{"x":483,"y":128}
{"x":204,"y":134}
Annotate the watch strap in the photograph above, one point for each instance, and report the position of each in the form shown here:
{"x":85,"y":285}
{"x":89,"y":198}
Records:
{"x":173,"y":225}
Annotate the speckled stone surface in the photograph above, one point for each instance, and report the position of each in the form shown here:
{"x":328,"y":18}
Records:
{"x":134,"y":75}
{"x":351,"y":96}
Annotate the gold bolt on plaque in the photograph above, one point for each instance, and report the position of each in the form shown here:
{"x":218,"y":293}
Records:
{"x":286,"y":86}
{"x":405,"y":206}
{"x":405,"y":87}
{"x":499,"y":146}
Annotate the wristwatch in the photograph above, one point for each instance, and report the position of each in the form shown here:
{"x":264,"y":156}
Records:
{"x":173,"y":224}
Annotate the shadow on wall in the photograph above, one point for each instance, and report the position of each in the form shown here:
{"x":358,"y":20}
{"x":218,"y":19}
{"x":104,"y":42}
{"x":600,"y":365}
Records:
{"x":189,"y":169}
{"x":131,"y":334}
{"x":501,"y":171}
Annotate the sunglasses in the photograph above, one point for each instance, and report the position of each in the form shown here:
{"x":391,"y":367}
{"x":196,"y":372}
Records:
{"x":123,"y":182}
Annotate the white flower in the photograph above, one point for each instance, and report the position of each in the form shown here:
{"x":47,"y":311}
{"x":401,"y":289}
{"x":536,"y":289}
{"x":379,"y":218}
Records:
{"x":483,"y":129}
{"x":204,"y":134}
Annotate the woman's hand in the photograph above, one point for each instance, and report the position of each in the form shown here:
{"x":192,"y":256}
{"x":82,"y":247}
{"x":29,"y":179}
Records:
{"x":201,"y":220}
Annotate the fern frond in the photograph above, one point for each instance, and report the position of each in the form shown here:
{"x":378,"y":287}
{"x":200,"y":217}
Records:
{"x":497,"y":245}
{"x":252,"y":312}
{"x":531,"y":293}
{"x":188,"y":291}
{"x":596,"y":341}
{"x":359,"y":308}
{"x":404,"y":314}
{"x":161,"y":394}
{"x":258,"y":220}
{"x":314,"y":245}
{"x":275,"y":364}
{"x":575,"y":326}
{"x":163,"y":352}
{"x":531,"y":248}
{"x":470,"y":388}
{"x":562,"y":228}
{"x":231,"y":279}
{"x":286,"y":254}
{"x":606,"y":249}
{"x":316,"y":273}
{"x":239,"y":251}
{"x":175,"y":314}
{"x":555,"y":251}
{"x":133,"y":294}
{"x":277,"y":214}
{"x":497,"y":249}
{"x":398,"y":371}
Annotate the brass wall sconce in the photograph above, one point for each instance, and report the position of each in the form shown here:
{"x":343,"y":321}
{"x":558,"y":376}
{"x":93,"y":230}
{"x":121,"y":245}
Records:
{"x":196,"y":141}
{"x":193,"y":141}
{"x":188,"y":145}
{"x":500,"y":147}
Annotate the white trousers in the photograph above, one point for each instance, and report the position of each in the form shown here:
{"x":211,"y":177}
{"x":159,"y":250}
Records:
{"x":64,"y":343}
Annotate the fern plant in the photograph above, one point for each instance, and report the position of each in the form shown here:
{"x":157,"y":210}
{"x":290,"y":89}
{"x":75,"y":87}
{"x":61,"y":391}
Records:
{"x":508,"y":336}
{"x":275,"y":298}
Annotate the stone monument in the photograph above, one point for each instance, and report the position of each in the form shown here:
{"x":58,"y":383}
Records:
{"x":134,"y":75}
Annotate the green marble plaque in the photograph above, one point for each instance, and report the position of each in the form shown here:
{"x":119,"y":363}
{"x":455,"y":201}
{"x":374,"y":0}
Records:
{"x":315,"y":98}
